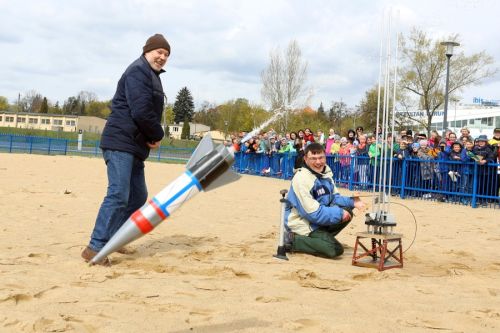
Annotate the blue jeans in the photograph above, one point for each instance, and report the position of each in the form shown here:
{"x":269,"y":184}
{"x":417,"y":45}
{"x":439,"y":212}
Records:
{"x":126,"y":193}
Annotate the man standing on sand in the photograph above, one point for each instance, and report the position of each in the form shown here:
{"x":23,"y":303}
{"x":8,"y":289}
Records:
{"x":132,"y":129}
{"x":316,"y":212}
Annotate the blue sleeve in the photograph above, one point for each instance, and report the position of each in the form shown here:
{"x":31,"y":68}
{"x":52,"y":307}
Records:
{"x":343,"y":201}
{"x":325,"y":215}
{"x":464,"y":156}
{"x":315,"y":211}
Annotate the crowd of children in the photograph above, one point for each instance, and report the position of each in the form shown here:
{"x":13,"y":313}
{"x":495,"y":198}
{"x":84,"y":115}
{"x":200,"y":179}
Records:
{"x":437,"y":163}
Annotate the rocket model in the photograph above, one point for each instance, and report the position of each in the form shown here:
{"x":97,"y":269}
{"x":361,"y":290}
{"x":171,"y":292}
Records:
{"x":208,"y":168}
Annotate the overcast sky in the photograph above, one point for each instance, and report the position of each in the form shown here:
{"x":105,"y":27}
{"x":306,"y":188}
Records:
{"x":219,"y":48}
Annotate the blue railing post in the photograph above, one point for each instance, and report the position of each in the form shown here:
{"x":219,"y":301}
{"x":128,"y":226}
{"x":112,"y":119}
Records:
{"x":240,"y":161}
{"x":403,"y":178}
{"x":474,"y":188}
{"x":351,"y":174}
{"x":159,"y":154}
{"x":96,"y":148}
{"x":10,"y":143}
{"x":31,"y":144}
{"x":260,"y":158}
{"x":48,"y":148}
{"x":66,"y":147}
{"x":283,"y":164}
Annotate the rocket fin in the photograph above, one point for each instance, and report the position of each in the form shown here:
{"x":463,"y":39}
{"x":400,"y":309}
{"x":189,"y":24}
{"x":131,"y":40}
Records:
{"x":204,"y":147}
{"x":227,"y":177}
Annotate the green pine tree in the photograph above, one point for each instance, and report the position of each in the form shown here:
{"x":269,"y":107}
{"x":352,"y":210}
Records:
{"x":185,"y":129}
{"x":45,"y":106}
{"x":321,"y":109}
{"x":183,"y":106}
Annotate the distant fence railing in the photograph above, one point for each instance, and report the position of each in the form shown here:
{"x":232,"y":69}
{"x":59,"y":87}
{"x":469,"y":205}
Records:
{"x":456,"y":182}
{"x":13,"y":143}
{"x":466,"y":183}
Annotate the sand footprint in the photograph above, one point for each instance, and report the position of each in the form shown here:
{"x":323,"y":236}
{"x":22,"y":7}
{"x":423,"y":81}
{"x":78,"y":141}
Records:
{"x":493,"y":267}
{"x":199,"y":315}
{"x":42,"y":292}
{"x":484,"y":313}
{"x":91,"y":277}
{"x":39,"y":255}
{"x":427,"y":324}
{"x":48,"y":325}
{"x":217,"y":271}
{"x":12,"y":322}
{"x":199,"y":255}
{"x":309,"y":279}
{"x":450,"y":269}
{"x":493,"y":292}
{"x":15,"y":297}
{"x":459,"y":253}
{"x":299,"y":324}
{"x":211,"y":285}
{"x":270,"y":299}
{"x":79,"y":324}
{"x":373,"y":275}
{"x":456,"y":268}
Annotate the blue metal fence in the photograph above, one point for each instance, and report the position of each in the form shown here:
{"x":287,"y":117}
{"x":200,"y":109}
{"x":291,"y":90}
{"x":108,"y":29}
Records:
{"x":457,"y":182}
{"x":51,"y":146}
{"x":442,"y":180}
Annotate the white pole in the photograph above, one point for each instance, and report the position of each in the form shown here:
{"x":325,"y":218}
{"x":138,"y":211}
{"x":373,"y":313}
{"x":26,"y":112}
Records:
{"x":393,"y":111}
{"x":80,"y":140}
{"x":378,"y":108}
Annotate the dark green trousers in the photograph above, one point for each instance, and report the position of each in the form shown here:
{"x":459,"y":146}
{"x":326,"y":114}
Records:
{"x":320,"y":242}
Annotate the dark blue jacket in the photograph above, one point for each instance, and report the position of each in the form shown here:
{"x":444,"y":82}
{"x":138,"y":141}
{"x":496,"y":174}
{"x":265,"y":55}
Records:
{"x":442,"y":157}
{"x":468,"y":166}
{"x":486,"y":152}
{"x":136,"y":111}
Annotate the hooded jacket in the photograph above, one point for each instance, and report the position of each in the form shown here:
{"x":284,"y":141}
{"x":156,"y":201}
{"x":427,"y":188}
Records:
{"x":314,"y":201}
{"x":136,"y":111}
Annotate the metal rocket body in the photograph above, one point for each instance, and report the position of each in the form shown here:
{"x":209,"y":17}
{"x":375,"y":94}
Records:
{"x":208,"y":168}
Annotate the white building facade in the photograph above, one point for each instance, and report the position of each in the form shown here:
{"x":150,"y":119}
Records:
{"x":478,"y":119}
{"x":42,"y":121}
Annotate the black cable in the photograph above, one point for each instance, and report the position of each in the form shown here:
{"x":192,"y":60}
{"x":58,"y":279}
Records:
{"x":414,"y":220}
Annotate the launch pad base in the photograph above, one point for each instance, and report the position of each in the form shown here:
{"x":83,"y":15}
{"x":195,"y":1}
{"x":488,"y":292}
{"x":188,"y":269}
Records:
{"x":384,"y":252}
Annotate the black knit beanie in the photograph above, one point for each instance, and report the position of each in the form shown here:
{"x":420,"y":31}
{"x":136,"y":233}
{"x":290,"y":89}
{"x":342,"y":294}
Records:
{"x":154,"y":42}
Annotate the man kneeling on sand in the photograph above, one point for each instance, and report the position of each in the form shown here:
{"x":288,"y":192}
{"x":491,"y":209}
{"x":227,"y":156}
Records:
{"x":316,"y":212}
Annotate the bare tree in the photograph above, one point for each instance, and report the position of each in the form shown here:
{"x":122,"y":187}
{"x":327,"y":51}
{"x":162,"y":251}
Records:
{"x":87,"y":97}
{"x":283,"y":81}
{"x":31,"y":102}
{"x":424,"y":72}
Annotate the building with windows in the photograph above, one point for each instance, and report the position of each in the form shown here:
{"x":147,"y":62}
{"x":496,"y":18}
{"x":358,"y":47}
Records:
{"x":42,"y":121}
{"x":51,"y":122}
{"x":479,"y":119}
{"x":195,"y":130}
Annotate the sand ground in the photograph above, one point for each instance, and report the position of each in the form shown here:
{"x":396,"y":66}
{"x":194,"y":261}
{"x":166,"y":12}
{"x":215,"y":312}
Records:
{"x":209,"y":268}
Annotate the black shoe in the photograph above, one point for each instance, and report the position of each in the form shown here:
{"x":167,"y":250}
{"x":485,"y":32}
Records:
{"x":289,"y":236}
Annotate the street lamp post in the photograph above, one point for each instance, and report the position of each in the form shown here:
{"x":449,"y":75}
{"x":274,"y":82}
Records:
{"x":449,"y":52}
{"x":225,"y":123}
